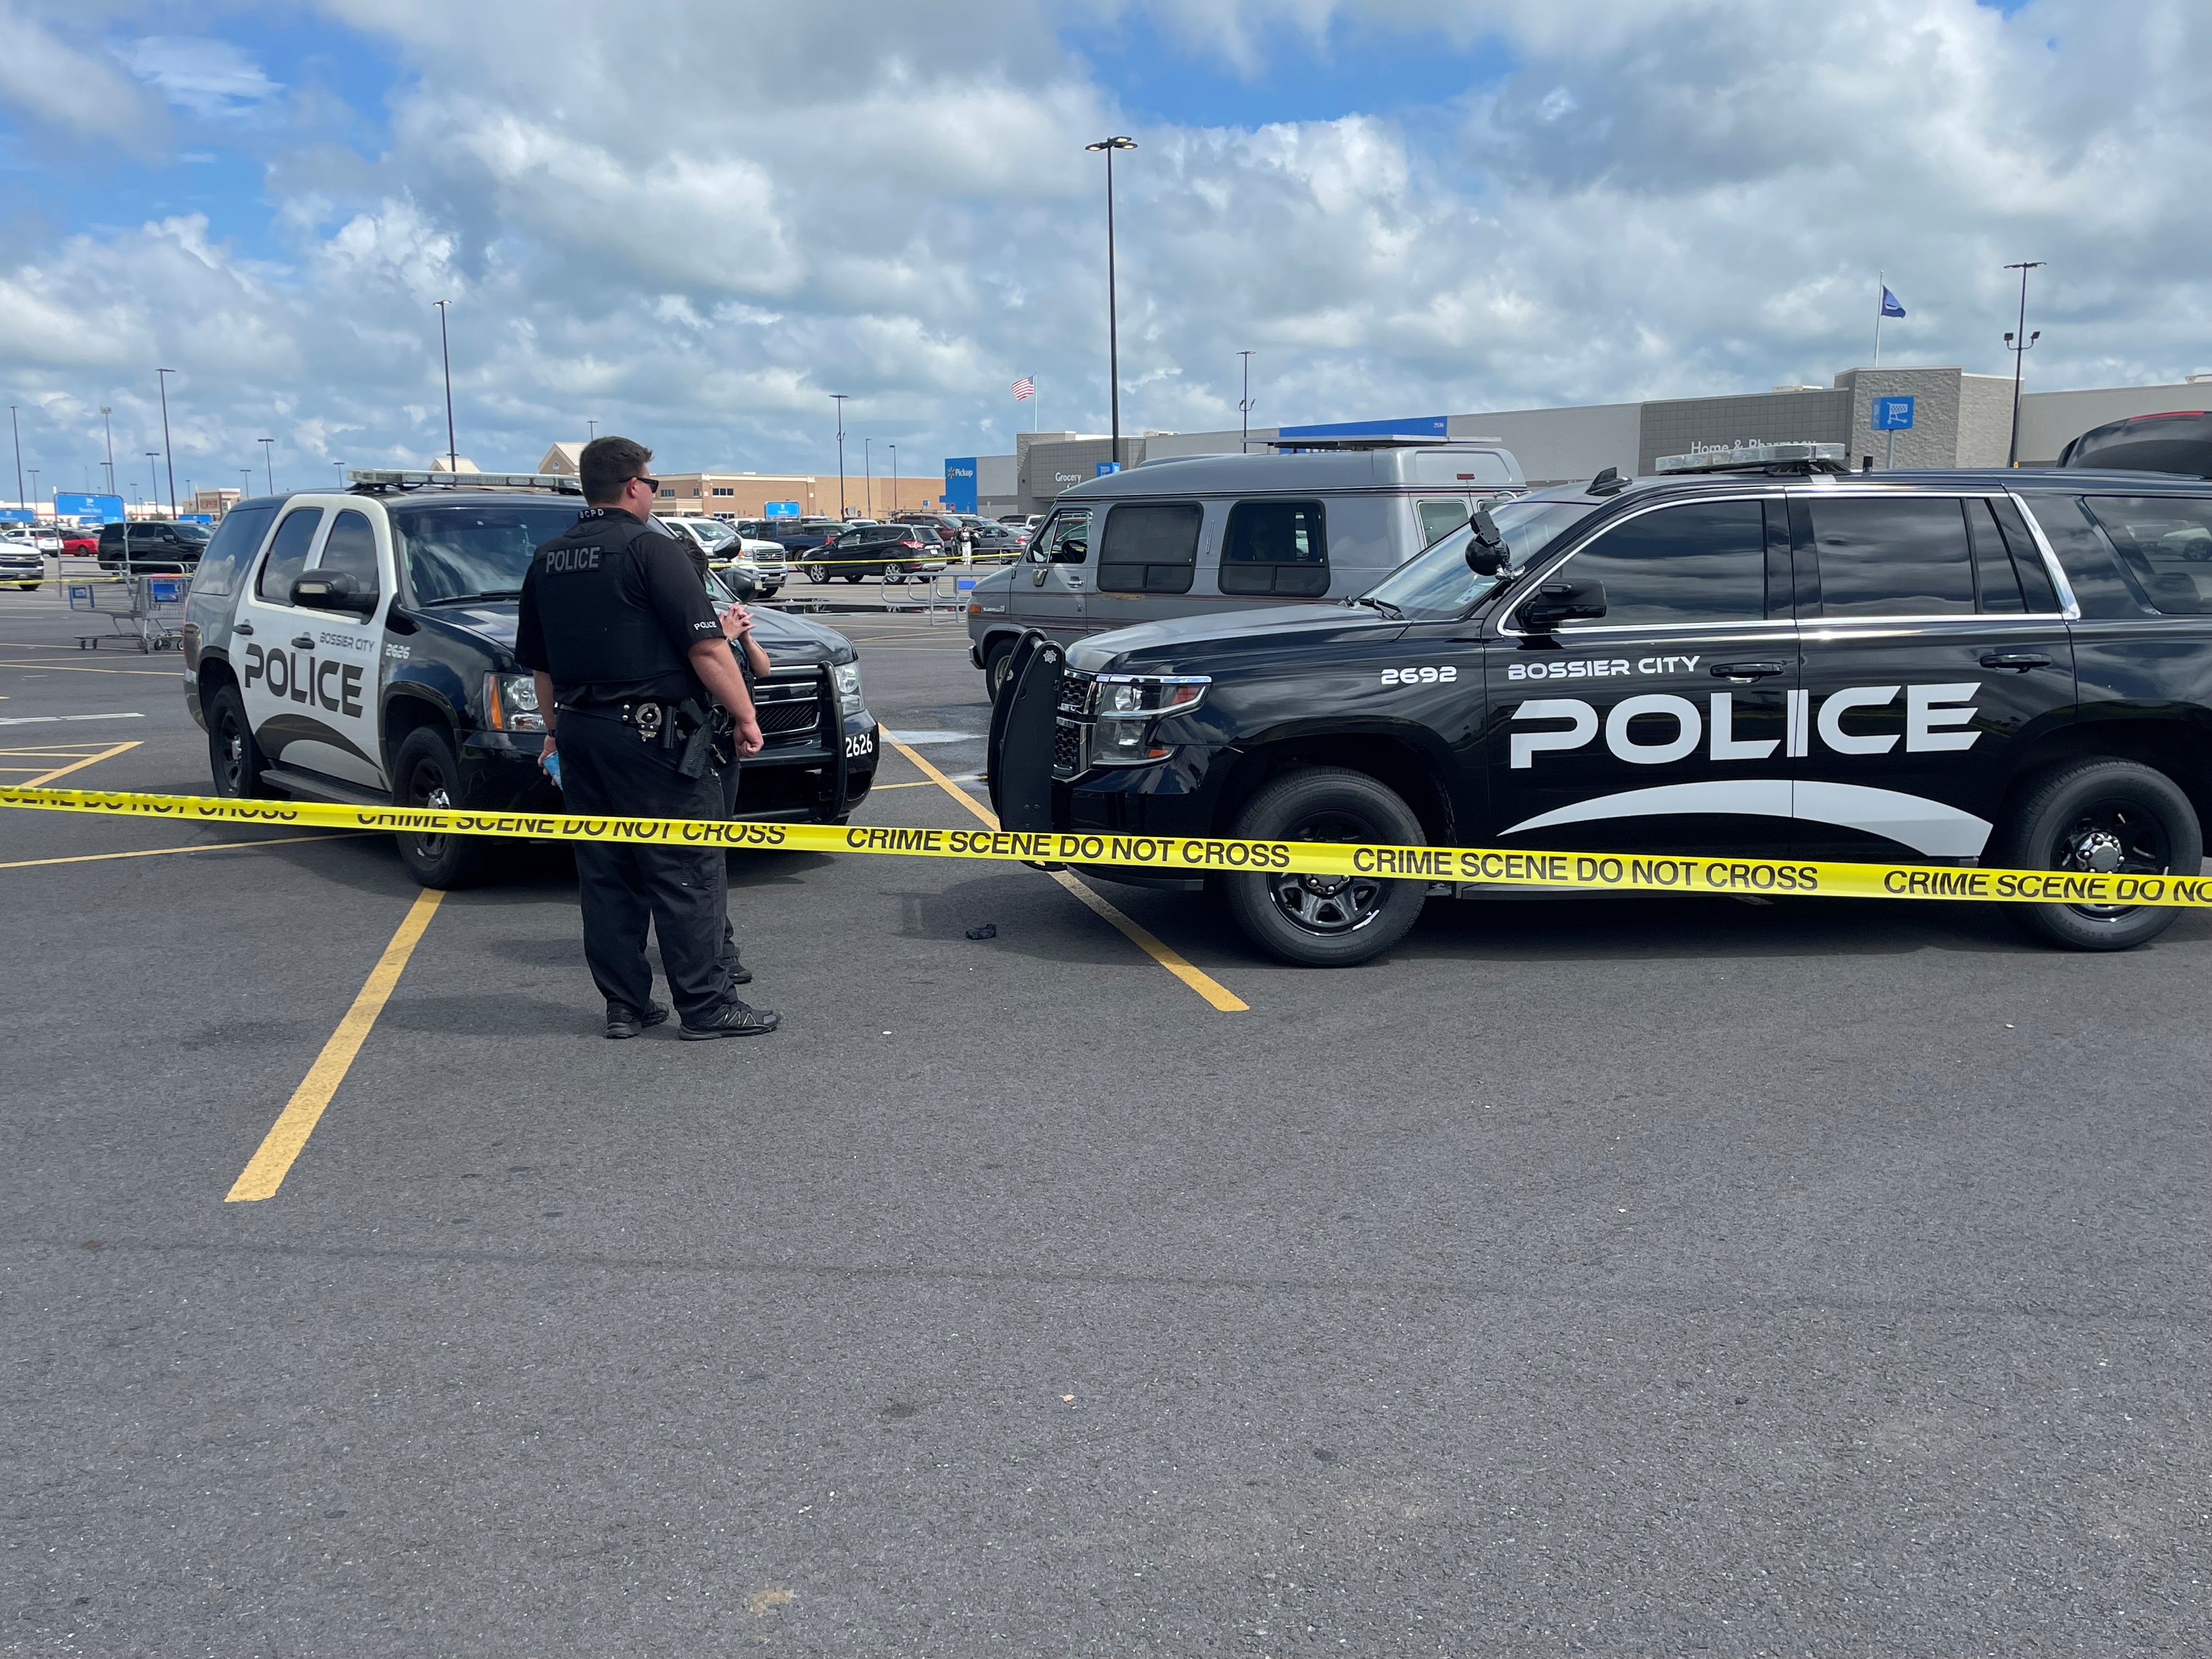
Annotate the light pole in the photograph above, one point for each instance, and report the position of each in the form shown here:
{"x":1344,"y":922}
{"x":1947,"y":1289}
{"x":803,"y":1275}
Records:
{"x":840,"y":398}
{"x":868,"y":476}
{"x":17,"y":429}
{"x":269,"y":460}
{"x":2019,"y":344}
{"x":161,"y":378}
{"x":446,"y":354}
{"x":1244,"y":407}
{"x":341,"y":467}
{"x":34,"y":503}
{"x":245,"y":482}
{"x":107,"y":423}
{"x":153,"y":480}
{"x":894,"y":479}
{"x":591,"y":430}
{"x":1113,"y":321}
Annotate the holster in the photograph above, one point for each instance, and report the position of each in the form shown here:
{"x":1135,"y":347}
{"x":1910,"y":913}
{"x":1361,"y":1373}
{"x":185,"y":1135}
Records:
{"x":698,"y":743}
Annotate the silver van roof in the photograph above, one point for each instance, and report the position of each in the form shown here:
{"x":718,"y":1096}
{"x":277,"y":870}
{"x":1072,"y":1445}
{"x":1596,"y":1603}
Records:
{"x":1457,"y":467}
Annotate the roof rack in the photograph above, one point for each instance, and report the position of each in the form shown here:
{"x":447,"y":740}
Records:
{"x":1351,"y":441}
{"x":376,"y":481}
{"x":1781,"y":460}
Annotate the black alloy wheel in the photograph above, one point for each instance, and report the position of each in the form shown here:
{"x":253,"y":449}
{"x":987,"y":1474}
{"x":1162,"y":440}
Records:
{"x":2102,"y":816}
{"x":1324,"y":922}
{"x":895,"y":573}
{"x":428,"y":774}
{"x":233,"y":756}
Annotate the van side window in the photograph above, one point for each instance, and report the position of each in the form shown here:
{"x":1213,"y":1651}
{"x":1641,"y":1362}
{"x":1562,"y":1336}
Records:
{"x":287,"y":556}
{"x":2165,"y":542}
{"x":1892,"y":558}
{"x":1150,"y":549}
{"x":1439,"y":519}
{"x":1275,"y":547}
{"x":1063,"y":528}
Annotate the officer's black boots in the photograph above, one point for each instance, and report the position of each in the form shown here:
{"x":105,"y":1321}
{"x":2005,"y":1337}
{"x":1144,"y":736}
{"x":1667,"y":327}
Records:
{"x":624,"y":1021}
{"x":732,"y":1018}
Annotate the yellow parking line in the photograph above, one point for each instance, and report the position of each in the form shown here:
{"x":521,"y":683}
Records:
{"x":204,"y":846}
{"x":1198,"y":980}
{"x":109,"y":753}
{"x":264,"y":1173}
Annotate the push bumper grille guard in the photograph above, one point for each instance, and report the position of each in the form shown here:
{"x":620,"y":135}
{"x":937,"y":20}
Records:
{"x":1024,"y":734}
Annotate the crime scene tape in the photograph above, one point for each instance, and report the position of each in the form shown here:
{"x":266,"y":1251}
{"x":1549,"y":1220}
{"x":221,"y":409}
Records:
{"x":1187,"y":855}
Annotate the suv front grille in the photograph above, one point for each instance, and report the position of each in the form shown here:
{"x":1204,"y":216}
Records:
{"x":1074,"y":692}
{"x":1067,"y":745}
{"x":786,"y":708}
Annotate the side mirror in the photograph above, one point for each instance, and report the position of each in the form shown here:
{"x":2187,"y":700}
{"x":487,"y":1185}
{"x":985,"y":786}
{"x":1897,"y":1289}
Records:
{"x":335,"y":590}
{"x":741,"y":583}
{"x":1486,"y":552}
{"x":1074,"y":550}
{"x":1562,"y":601}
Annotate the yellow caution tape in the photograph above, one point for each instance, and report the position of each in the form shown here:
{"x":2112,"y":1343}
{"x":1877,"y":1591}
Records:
{"x":1188,"y":854}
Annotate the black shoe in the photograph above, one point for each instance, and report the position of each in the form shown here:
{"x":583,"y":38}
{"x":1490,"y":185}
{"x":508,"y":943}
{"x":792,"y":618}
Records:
{"x":741,"y":974}
{"x":732,"y":1018}
{"x":624,"y":1021}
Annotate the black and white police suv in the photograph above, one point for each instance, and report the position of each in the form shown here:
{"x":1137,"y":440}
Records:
{"x":1774,"y":658}
{"x":357,"y":647}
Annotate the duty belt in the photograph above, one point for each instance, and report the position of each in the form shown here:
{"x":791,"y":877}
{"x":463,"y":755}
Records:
{"x":674,"y":725}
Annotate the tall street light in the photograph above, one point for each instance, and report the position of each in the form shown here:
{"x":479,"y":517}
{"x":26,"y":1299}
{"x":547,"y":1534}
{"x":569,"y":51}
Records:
{"x":34,"y":503}
{"x":269,"y":460}
{"x":868,"y":476}
{"x":153,"y":480}
{"x":1245,"y":407}
{"x":2017,"y":343}
{"x":161,"y":378}
{"x":1113,"y":322}
{"x":107,"y":423}
{"x":13,"y":427}
{"x":839,"y":398}
{"x":446,"y":354}
{"x":894,"y":477}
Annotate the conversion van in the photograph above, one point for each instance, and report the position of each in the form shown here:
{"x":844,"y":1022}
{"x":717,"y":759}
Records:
{"x":1192,"y":533}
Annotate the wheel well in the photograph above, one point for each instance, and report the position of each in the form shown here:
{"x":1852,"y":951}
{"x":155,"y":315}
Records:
{"x":404,"y":715}
{"x":214,"y":674}
{"x":1389,"y":761}
{"x":2181,"y":751}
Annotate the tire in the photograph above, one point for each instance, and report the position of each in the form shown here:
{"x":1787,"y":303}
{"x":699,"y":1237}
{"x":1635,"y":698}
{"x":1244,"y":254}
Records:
{"x":233,"y":758}
{"x":853,"y":576}
{"x":2100,"y":814}
{"x":425,"y":773}
{"x":894,"y":574}
{"x":1324,"y":922}
{"x":996,"y":663}
{"x":815,"y":573}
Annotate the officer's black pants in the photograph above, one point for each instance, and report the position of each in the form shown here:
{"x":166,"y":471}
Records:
{"x":606,"y":769}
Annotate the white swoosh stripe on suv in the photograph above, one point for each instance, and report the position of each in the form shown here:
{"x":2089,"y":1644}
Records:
{"x":1927,"y":827}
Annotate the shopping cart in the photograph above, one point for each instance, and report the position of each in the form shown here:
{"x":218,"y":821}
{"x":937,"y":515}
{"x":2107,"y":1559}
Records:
{"x":147,"y":610}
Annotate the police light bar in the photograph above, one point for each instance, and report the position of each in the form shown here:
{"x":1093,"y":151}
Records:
{"x":1736,"y":455}
{"x":387,"y":478}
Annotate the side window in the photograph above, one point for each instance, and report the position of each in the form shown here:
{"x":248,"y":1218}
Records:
{"x":1703,"y":561}
{"x":1063,"y":528}
{"x":1995,"y":580}
{"x":237,"y":539}
{"x":287,"y":556}
{"x":351,"y":548}
{"x":1150,"y":549}
{"x":2165,"y":542}
{"x":1439,"y":519}
{"x":1893,"y":558}
{"x":1275,"y":547}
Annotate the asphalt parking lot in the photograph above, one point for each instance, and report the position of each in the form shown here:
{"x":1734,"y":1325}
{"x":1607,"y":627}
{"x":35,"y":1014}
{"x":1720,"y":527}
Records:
{"x":1593,"y":1276}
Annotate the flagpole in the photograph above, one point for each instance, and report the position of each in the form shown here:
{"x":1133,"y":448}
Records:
{"x":1880,"y":288}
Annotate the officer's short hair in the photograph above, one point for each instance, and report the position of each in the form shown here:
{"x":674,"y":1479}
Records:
{"x":607,"y":464}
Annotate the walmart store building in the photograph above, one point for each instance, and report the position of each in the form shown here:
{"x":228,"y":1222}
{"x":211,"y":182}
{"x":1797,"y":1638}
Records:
{"x":1958,"y":420}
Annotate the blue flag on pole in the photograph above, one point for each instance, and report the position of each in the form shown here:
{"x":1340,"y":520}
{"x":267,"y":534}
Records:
{"x":1889,"y":305}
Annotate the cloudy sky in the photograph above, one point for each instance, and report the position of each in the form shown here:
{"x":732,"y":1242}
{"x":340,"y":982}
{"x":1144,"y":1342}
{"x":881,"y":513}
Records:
{"x":693,"y":222}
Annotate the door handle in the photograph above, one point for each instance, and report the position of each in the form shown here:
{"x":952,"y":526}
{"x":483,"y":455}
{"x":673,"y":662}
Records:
{"x":303,"y":641}
{"x":2022,"y":660}
{"x":1747,"y":670}
{"x":245,"y":627}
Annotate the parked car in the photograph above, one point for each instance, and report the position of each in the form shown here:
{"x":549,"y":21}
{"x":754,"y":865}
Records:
{"x":998,"y":543}
{"x":21,"y":560}
{"x":2179,"y":441}
{"x":161,"y":545}
{"x":80,"y":543}
{"x":794,"y":536}
{"x":892,"y":551}
{"x":764,"y":562}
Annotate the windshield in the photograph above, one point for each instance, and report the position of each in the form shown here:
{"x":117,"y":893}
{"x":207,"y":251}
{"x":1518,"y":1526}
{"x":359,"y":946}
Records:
{"x":1436,"y":585}
{"x":456,"y":551}
{"x":191,"y":532}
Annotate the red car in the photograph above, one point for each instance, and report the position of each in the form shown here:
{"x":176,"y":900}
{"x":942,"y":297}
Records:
{"x":84,"y":543}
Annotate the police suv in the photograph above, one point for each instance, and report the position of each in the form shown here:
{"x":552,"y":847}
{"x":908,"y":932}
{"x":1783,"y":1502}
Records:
{"x":357,"y":647}
{"x":1775,"y":658}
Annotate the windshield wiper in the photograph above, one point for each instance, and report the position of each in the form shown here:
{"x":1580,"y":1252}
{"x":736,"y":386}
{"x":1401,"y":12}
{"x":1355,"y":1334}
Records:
{"x":1383,"y":606}
{"x":470,"y":599}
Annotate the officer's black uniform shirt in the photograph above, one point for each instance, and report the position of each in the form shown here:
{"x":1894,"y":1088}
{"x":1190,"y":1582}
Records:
{"x":611,"y":610}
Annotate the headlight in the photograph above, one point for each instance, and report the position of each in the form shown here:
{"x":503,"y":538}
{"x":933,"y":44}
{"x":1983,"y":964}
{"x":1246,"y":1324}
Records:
{"x":848,"y":683}
{"x":1127,"y":705}
{"x":511,"y":703}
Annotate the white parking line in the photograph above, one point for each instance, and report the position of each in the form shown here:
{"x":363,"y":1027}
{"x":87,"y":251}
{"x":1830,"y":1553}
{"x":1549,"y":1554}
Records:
{"x":55,"y":720}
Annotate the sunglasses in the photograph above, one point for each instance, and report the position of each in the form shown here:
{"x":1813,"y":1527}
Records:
{"x":653,"y":484}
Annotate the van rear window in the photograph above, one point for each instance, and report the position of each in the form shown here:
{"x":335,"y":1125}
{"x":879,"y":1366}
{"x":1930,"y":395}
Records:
{"x":1149,"y":547}
{"x":1275,"y":547}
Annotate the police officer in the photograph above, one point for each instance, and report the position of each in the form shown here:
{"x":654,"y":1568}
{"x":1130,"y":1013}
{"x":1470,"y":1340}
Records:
{"x":629,"y":657}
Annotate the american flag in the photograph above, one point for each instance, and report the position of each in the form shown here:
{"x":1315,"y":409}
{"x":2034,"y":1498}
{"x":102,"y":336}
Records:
{"x":1024,"y":387}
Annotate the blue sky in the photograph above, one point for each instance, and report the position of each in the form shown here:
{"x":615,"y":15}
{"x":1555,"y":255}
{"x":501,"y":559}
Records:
{"x":697,"y":218}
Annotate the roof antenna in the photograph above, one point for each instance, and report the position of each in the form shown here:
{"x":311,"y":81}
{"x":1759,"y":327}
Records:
{"x":1607,"y":482}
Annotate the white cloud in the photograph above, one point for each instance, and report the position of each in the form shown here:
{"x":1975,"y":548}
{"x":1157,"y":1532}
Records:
{"x":1657,"y":200}
{"x":210,"y":78}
